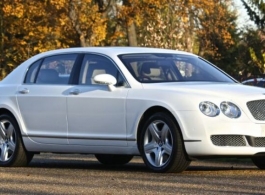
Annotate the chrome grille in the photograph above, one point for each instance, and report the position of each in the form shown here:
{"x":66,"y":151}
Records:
{"x":259,"y":142}
{"x":257,"y":109}
{"x":228,"y":140}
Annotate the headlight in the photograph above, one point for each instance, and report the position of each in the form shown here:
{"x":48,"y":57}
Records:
{"x":230,"y":110}
{"x":209,"y":109}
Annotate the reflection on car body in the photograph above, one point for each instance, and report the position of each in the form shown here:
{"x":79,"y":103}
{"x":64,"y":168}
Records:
{"x":169,"y":107}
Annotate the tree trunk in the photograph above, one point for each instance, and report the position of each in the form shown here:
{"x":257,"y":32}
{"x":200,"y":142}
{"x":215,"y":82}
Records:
{"x":131,"y":31}
{"x":1,"y":39}
{"x":131,"y":35}
{"x":74,"y":19}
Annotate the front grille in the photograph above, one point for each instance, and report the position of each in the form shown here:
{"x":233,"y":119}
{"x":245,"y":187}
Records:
{"x":257,"y":109}
{"x":228,"y":140}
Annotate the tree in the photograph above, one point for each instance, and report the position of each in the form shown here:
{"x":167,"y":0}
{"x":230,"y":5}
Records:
{"x":2,"y":42}
{"x":193,"y":26}
{"x":252,"y":44}
{"x":204,"y":27}
{"x":131,"y":15}
{"x":218,"y":36}
{"x":39,"y":32}
{"x":88,"y":21}
{"x":256,"y":38}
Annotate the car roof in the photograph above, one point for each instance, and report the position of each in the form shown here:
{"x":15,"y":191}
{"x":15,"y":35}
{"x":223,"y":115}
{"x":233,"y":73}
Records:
{"x":115,"y":50}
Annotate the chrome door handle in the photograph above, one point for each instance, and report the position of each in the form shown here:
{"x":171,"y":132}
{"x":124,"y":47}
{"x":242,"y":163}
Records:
{"x":24,"y":91}
{"x":74,"y":92}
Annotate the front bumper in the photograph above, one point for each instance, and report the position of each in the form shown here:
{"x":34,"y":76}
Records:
{"x":203,"y":149}
{"x":221,"y":136}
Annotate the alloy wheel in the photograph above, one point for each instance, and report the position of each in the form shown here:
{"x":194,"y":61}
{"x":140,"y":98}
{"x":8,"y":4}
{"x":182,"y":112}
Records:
{"x":158,"y":143}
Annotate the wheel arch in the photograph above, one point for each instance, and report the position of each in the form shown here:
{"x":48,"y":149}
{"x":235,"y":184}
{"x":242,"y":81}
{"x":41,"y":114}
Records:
{"x":149,"y":112}
{"x":6,"y":111}
{"x":20,"y":155}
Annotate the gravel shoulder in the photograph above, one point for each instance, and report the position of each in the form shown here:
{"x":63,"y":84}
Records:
{"x":82,"y":174}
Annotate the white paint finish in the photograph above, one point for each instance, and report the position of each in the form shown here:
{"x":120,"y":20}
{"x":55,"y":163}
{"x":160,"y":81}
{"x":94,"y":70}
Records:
{"x":43,"y":110}
{"x":97,"y":113}
{"x":105,"y":79}
{"x":37,"y":147}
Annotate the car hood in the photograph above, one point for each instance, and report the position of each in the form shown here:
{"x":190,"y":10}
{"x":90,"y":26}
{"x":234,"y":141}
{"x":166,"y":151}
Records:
{"x":209,"y":88}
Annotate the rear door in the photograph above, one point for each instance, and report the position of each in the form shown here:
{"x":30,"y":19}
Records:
{"x":42,"y":98}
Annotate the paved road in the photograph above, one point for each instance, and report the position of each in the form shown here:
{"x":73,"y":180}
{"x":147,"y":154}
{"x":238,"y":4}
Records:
{"x":82,"y":174}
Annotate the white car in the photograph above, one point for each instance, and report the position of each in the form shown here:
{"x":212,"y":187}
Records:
{"x":169,"y":107}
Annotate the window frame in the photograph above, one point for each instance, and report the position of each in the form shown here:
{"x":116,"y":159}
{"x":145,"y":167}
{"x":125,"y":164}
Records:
{"x":104,"y":57}
{"x":41,"y":62}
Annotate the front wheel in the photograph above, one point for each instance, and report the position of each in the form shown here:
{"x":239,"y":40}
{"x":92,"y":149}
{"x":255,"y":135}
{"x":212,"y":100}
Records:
{"x":161,"y":145}
{"x":259,"y":161}
{"x":12,"y":151}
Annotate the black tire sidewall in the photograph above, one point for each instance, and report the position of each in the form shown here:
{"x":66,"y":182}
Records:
{"x":113,"y":159}
{"x":259,"y":162}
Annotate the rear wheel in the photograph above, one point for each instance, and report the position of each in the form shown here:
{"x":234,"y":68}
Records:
{"x":12,"y":151}
{"x":161,"y":145}
{"x":259,"y":161}
{"x":113,"y":159}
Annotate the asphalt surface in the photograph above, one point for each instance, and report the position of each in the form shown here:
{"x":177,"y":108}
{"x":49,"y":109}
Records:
{"x":82,"y":174}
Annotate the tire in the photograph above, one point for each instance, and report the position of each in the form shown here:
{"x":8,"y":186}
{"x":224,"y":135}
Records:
{"x":12,"y":151}
{"x":113,"y":159}
{"x":161,"y":145}
{"x":259,"y":161}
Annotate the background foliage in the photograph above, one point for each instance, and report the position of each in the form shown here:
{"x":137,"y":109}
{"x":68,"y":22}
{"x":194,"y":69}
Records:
{"x":206,"y":27}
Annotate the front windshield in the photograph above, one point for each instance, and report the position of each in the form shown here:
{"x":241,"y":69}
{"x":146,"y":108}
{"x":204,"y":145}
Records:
{"x":154,"y":67}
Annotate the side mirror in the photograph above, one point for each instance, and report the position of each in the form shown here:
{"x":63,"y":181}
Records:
{"x":106,"y":79}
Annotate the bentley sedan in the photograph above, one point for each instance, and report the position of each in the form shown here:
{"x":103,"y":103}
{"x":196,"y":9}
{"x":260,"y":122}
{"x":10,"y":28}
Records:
{"x":167,"y":106}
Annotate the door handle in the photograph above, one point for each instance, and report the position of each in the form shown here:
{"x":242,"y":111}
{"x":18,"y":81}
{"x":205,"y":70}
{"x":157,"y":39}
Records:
{"x":24,"y":91}
{"x":74,"y":92}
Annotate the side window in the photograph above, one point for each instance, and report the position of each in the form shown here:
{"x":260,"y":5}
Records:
{"x":32,"y":72}
{"x":52,"y":70}
{"x":94,"y":65}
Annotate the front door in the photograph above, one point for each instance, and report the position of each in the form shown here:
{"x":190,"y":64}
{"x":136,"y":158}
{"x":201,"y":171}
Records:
{"x":96,"y":115}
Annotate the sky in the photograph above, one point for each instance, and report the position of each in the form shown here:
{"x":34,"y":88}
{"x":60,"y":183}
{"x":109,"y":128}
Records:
{"x":243,"y":18}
